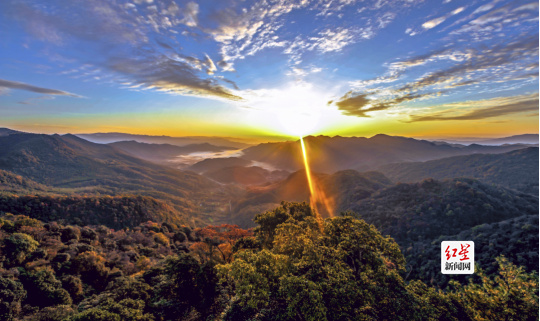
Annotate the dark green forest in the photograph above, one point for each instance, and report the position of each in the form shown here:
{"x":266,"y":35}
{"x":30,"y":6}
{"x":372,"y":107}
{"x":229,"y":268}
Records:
{"x":293,"y":265}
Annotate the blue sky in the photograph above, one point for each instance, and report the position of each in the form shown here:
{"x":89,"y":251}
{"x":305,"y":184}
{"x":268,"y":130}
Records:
{"x":263,"y":68}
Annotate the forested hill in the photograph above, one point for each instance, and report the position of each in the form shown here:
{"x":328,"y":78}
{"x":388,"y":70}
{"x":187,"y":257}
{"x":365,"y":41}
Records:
{"x":14,"y":183}
{"x":342,"y":189}
{"x":116,"y":212}
{"x":431,"y":208}
{"x":516,"y":169}
{"x":71,"y":163}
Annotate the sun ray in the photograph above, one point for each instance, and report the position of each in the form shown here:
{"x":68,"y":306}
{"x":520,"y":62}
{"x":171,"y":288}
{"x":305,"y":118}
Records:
{"x":317,"y":196}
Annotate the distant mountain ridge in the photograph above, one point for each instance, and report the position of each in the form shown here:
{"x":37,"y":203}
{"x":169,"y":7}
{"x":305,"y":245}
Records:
{"x":106,"y":138}
{"x":331,"y":154}
{"x":532,"y":139}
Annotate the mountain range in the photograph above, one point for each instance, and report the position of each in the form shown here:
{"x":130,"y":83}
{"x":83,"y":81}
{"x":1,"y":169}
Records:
{"x":420,"y":192}
{"x":105,"y":138}
{"x":233,"y":190}
{"x":331,"y":154}
{"x":530,"y":139}
{"x":70,"y":162}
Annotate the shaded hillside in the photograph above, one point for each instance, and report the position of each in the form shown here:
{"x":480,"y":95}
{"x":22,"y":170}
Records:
{"x":7,"y":132}
{"x":330,"y":154}
{"x":213,"y":164}
{"x":515,"y":238}
{"x":160,"y":153}
{"x":115,"y":212}
{"x":71,"y":162}
{"x":516,"y":169}
{"x":424,"y":211}
{"x":342,"y":190}
{"x":421,"y":215}
{"x":14,"y":183}
{"x":252,"y":175}
{"x":68,"y":161}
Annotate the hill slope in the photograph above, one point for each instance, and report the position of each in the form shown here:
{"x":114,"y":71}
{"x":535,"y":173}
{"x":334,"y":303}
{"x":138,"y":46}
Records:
{"x":515,"y":238}
{"x":242,"y":175}
{"x":105,"y":138}
{"x":516,"y":169}
{"x":71,"y":162}
{"x":341,"y":190}
{"x":421,"y":215}
{"x":426,"y":210}
{"x":213,"y":164}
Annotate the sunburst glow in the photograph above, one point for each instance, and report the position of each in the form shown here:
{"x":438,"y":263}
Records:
{"x":297,"y":109}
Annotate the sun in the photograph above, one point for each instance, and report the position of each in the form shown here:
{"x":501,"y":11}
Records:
{"x":297,"y":109}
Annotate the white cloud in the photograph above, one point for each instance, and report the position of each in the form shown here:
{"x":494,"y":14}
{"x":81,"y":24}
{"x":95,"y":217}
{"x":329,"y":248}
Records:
{"x":433,"y":23}
{"x":330,"y":40}
{"x":190,"y":14}
{"x":437,"y":21}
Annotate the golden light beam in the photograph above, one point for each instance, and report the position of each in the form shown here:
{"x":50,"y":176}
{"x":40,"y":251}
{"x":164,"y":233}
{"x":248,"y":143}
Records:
{"x":308,"y":171}
{"x":317,"y":195}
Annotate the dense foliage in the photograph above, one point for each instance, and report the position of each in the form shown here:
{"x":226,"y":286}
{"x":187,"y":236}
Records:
{"x":516,"y":239}
{"x":111,"y":211}
{"x":293,"y":266}
{"x":52,"y":271}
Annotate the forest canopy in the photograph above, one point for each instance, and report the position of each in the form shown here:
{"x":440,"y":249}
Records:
{"x":292,"y":266}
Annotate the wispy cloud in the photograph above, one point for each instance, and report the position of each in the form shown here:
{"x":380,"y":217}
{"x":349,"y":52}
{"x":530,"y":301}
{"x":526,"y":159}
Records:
{"x":360,"y":104}
{"x":131,"y":42}
{"x":481,"y":109}
{"x":490,"y":64}
{"x":165,"y":74}
{"x":437,"y":21}
{"x":31,"y":101}
{"x":41,"y":90}
{"x":489,"y":21}
{"x":496,"y":63}
{"x":331,"y":40}
{"x":245,"y":32}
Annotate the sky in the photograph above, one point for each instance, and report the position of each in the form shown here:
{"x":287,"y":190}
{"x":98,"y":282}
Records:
{"x":271,"y":68}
